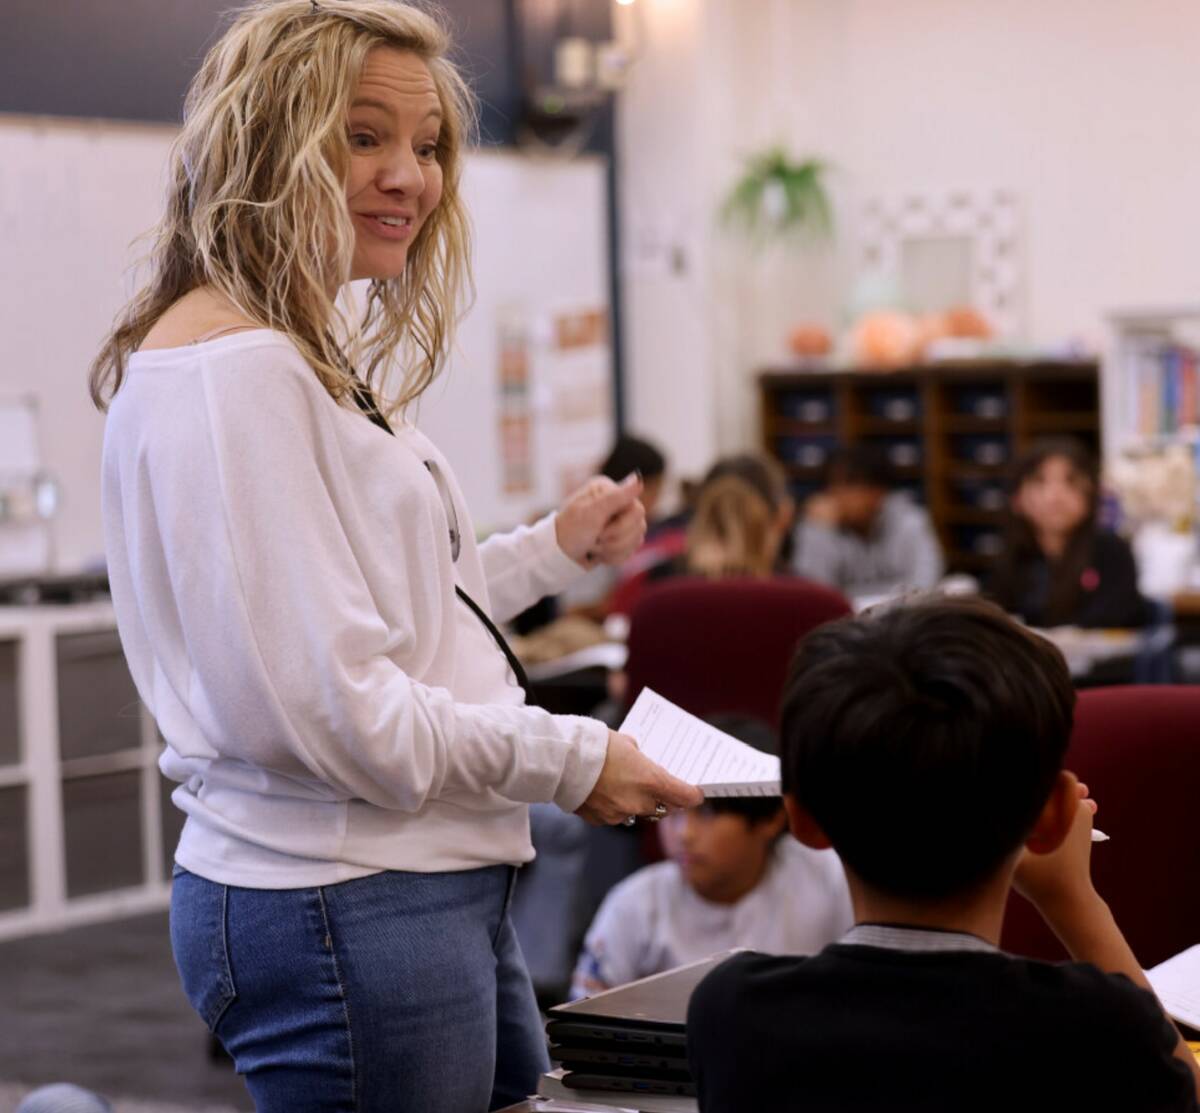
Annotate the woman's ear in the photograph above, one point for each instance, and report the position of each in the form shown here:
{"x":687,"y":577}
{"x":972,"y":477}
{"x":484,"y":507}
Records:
{"x":1058,"y":813}
{"x":803,"y":826}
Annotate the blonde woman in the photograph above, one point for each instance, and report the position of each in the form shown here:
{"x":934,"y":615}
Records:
{"x":741,"y":521}
{"x":300,"y":595}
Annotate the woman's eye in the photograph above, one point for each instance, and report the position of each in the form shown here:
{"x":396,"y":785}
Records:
{"x":361,"y":140}
{"x":427,"y":151}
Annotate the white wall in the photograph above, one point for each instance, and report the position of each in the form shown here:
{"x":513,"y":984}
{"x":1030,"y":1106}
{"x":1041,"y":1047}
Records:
{"x":75,"y":195}
{"x":1085,"y":108}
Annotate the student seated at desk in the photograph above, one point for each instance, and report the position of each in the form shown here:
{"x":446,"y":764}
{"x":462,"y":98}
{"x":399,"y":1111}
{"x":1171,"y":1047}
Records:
{"x":739,"y":525}
{"x":861,"y":535}
{"x":733,"y":878}
{"x":1058,"y":567}
{"x":925,"y":744}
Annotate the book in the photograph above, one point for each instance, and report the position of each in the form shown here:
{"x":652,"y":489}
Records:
{"x":690,"y":749}
{"x":1177,"y":984}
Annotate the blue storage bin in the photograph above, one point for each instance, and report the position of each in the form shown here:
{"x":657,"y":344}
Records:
{"x":900,"y":452}
{"x":986,"y":401}
{"x":813,"y":407}
{"x":980,"y":494}
{"x":805,"y":452}
{"x":985,"y":541}
{"x":894,"y":404}
{"x":985,"y":451}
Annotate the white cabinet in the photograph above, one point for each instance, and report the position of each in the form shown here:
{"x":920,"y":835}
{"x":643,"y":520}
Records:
{"x":86,"y":825}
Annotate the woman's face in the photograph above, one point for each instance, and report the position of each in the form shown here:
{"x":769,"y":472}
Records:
{"x":395,"y":179}
{"x":1056,"y":498}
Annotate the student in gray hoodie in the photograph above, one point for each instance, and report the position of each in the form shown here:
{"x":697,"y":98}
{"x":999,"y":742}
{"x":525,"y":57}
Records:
{"x":862,"y":536}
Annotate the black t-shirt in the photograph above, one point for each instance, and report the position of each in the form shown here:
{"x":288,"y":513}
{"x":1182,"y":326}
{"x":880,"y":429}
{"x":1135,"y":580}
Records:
{"x":860,"y":1029}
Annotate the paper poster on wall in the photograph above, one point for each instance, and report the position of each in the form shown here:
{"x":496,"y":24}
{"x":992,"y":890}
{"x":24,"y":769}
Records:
{"x":515,"y":411}
{"x":575,"y":375}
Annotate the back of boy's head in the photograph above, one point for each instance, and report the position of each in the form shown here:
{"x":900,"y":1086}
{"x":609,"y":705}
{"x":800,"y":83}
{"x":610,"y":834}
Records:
{"x":859,"y":465}
{"x":924,"y":740}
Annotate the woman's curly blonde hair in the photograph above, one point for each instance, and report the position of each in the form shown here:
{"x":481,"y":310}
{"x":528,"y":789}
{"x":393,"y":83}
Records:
{"x":256,"y":205}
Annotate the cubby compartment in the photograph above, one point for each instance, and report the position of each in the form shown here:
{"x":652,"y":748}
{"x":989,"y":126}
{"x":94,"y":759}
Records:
{"x":809,"y":453}
{"x":981,"y":450}
{"x":896,"y":404}
{"x":807,"y":407}
{"x":984,"y":401}
{"x":986,"y":495}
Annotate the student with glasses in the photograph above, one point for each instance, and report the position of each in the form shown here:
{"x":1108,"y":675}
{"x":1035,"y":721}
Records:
{"x":300,"y":594}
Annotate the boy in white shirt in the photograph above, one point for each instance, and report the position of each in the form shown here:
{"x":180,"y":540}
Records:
{"x":733,"y":878}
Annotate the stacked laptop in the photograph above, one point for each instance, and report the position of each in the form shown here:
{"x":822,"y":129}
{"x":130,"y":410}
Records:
{"x":630,"y":1040}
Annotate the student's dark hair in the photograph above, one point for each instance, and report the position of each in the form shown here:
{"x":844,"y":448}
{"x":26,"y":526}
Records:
{"x":864,"y":464}
{"x":630,"y":454}
{"x":1009,"y":581}
{"x":765,"y":476}
{"x":762,"y":737}
{"x":924,"y":740}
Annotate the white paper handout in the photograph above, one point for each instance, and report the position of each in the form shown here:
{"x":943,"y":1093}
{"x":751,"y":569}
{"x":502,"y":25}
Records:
{"x":1177,"y":983}
{"x":688,"y":748}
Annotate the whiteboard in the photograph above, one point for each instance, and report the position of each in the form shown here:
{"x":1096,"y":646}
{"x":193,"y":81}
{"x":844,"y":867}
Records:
{"x":540,"y":252}
{"x":74,"y":196}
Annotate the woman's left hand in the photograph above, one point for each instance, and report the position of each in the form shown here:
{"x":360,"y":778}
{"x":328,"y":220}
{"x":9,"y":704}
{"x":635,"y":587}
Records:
{"x":603,"y":522}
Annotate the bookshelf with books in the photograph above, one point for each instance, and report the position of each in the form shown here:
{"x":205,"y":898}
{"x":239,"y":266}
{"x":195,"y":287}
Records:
{"x":950,"y":432}
{"x":1157,"y":364}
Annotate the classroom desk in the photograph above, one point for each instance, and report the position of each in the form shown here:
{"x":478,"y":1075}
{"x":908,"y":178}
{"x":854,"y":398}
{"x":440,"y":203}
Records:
{"x":1185,"y":608}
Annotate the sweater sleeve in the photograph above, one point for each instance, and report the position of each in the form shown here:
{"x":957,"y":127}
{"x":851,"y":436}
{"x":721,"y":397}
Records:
{"x":615,"y":947}
{"x":818,"y":554}
{"x":523,"y":566}
{"x":294,"y":668}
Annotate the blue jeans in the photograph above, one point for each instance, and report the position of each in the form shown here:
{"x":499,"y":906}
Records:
{"x":397,"y":992}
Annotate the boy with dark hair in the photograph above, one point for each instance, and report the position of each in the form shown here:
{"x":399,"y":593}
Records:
{"x":861,"y":534}
{"x":631,"y":454}
{"x":732,"y":878}
{"x":925,"y":744}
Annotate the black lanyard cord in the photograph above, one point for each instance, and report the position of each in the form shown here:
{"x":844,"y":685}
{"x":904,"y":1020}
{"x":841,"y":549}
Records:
{"x":366,"y":403}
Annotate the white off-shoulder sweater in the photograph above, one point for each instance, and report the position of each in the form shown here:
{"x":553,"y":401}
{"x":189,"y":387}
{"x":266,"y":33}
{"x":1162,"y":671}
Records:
{"x":282,"y":576}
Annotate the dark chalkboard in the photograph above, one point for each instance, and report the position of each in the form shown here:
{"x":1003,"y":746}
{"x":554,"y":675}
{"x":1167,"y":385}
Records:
{"x":133,"y":59}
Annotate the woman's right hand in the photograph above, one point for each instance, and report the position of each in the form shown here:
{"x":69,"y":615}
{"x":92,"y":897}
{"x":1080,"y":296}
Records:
{"x":631,"y":784}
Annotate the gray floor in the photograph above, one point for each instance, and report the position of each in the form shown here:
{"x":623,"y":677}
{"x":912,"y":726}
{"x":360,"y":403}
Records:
{"x":101,"y":1006}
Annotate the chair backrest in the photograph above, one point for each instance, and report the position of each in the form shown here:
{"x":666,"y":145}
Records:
{"x":1138,"y":751}
{"x":635,"y":575}
{"x":724,"y":646}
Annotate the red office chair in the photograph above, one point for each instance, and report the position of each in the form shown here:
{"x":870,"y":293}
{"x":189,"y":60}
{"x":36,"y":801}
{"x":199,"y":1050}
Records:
{"x":1138,"y":750}
{"x":724,"y":646}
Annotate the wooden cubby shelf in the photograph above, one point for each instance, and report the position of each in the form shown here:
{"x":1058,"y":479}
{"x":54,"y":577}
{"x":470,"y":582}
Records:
{"x":951,"y":432}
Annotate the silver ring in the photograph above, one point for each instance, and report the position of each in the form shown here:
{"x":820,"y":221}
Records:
{"x":629,"y":821}
{"x":660,"y":810}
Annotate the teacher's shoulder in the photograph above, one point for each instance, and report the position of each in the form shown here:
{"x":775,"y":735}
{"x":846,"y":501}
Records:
{"x":267,"y":374}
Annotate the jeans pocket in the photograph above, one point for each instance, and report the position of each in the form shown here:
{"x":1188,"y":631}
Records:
{"x":200,"y":942}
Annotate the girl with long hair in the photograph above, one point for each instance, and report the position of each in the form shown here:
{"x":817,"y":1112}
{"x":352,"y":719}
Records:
{"x":1059,"y":567}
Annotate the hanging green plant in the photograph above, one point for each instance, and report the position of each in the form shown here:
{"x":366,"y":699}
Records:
{"x":777,"y":196}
